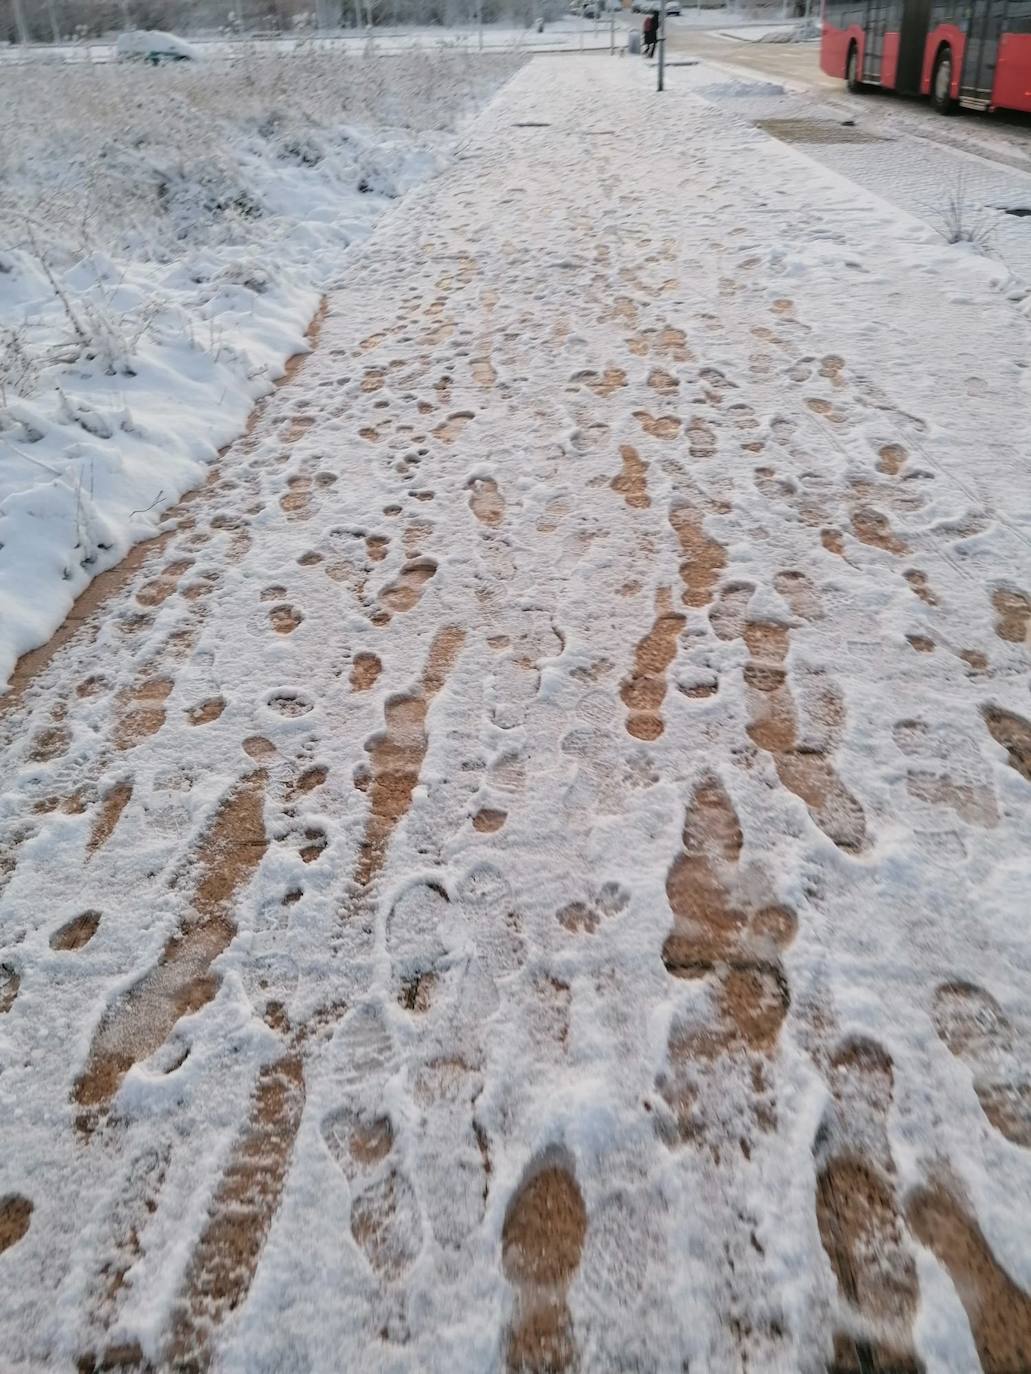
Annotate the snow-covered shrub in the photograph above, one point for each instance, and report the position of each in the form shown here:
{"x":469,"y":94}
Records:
{"x":961,"y":220}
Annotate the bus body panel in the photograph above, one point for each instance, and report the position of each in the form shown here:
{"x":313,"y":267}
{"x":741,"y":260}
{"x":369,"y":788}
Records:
{"x":834,"y":46}
{"x":890,"y":61}
{"x":1012,"y":87}
{"x":944,"y":35}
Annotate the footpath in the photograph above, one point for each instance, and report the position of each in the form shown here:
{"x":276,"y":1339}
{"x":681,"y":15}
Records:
{"x":531,"y":872}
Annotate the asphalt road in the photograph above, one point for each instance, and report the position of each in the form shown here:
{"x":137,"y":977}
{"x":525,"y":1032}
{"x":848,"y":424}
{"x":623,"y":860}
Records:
{"x":795,"y":62}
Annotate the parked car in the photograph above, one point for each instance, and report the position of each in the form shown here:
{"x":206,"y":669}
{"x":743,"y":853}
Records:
{"x":153,"y":46}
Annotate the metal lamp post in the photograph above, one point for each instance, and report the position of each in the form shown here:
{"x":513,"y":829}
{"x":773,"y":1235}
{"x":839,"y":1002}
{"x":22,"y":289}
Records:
{"x":19,"y":23}
{"x":662,"y":45}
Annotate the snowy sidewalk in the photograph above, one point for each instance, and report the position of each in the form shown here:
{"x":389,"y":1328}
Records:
{"x":968,"y":178}
{"x":532,"y":874}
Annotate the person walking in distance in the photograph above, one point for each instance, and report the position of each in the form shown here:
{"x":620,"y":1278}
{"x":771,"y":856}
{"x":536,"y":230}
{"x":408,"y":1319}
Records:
{"x":650,"y":33}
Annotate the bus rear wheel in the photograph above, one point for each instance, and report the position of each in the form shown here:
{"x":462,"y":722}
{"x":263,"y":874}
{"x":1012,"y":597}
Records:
{"x":852,"y":78}
{"x":941,"y":83}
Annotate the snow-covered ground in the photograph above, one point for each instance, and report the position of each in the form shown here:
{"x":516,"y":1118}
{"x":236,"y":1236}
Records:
{"x":533,"y":873}
{"x":568,"y":32}
{"x":962,"y":177}
{"x":168,"y":234}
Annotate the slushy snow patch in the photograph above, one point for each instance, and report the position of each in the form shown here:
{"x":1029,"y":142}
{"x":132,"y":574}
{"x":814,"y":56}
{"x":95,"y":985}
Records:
{"x":721,"y":90}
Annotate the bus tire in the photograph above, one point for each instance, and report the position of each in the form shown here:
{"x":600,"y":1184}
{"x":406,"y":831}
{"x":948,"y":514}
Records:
{"x":852,"y":78}
{"x":941,"y":83}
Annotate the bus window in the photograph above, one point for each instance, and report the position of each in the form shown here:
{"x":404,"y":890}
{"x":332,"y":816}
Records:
{"x":982,"y":51}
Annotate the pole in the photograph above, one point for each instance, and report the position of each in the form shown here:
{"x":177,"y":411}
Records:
{"x":19,"y":23}
{"x":612,"y":29}
{"x":479,"y":25}
{"x":662,"y":45}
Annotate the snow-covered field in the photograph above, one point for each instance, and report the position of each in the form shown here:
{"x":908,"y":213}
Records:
{"x":533,"y":873}
{"x":167,"y":235}
{"x":569,"y":32}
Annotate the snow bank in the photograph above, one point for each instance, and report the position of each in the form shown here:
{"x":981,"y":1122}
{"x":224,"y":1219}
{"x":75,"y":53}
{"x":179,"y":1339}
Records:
{"x":154,"y":44}
{"x":171,"y":231}
{"x":808,"y":31}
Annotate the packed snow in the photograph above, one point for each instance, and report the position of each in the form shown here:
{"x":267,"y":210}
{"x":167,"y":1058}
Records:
{"x":169,"y":235}
{"x":532,"y":873}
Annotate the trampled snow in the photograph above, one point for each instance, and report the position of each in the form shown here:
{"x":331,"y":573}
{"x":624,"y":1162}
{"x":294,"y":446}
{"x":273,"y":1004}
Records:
{"x":545,"y":840}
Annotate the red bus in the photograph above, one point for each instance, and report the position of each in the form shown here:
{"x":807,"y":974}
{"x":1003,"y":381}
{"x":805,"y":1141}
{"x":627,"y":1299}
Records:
{"x":959,"y":52}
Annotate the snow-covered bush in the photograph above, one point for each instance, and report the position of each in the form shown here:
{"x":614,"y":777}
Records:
{"x":960,"y":219}
{"x":136,"y":160}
